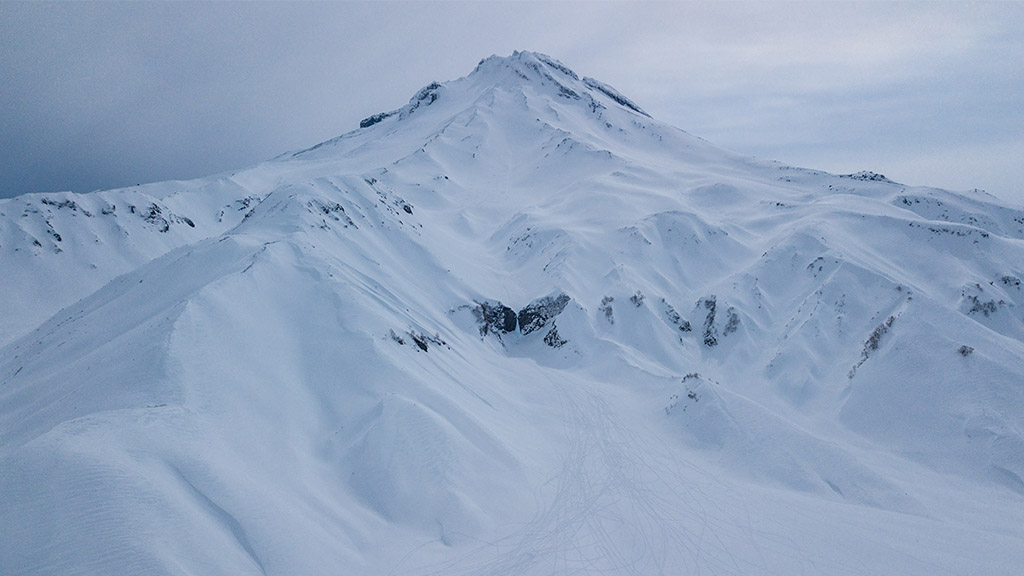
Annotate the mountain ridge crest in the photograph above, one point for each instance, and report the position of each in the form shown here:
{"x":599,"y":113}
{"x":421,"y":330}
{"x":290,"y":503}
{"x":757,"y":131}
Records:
{"x":520,"y":68}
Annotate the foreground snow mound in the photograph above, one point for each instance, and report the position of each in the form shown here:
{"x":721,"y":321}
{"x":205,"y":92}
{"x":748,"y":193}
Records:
{"x":515,"y":327}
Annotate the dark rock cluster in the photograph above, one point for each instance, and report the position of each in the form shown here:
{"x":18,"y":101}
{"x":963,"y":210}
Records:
{"x":536,"y":314}
{"x":493,"y":317}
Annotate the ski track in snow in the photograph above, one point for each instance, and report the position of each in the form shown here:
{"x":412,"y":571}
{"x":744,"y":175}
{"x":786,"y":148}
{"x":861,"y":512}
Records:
{"x":601,"y":500}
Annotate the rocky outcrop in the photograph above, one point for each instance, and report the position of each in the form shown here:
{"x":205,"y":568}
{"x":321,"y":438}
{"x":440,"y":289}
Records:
{"x":536,"y":315}
{"x":872,"y":344}
{"x":553,"y":339}
{"x":674,"y":318}
{"x":711,"y":322}
{"x":370,"y":121}
{"x":710,"y":334}
{"x":156,"y":216}
{"x":614,"y":94}
{"x":493,"y":316}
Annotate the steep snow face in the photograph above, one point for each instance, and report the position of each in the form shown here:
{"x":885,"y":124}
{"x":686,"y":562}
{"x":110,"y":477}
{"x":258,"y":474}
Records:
{"x":514,"y":327}
{"x":57,"y":248}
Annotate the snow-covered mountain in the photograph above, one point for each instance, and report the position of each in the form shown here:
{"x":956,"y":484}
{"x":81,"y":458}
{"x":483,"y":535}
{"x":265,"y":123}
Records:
{"x":515,"y":327}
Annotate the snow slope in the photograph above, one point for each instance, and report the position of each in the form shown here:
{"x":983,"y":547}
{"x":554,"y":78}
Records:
{"x":514,"y":327}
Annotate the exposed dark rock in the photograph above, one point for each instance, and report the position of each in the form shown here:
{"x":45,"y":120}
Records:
{"x":983,"y":307}
{"x":677,"y":402}
{"x":52,"y":232}
{"x":65,"y":204}
{"x":674,"y":317}
{"x":367,"y":122}
{"x":732,"y":323}
{"x":553,"y":339}
{"x":422,"y":341}
{"x":419,"y":340}
{"x":637,"y":299}
{"x":494,"y":317}
{"x":876,"y":336}
{"x":711,"y":329}
{"x":606,"y":307}
{"x":567,"y":93}
{"x":965,"y":350}
{"x":332,"y":210}
{"x":427,"y":94}
{"x":818,"y":264}
{"x":613,"y":94}
{"x":558,"y":66}
{"x":710,"y":334}
{"x":866,"y":176}
{"x":872,"y":344}
{"x":247,"y":202}
{"x":535,"y":315}
{"x":155,"y":217}
{"x":958,"y":231}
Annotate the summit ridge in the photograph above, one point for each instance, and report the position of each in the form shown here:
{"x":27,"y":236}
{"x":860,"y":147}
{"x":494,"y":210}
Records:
{"x":521,"y":68}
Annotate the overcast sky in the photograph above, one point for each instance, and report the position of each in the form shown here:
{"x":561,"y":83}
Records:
{"x":109,"y":94}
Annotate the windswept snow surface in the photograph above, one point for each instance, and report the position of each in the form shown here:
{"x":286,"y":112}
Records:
{"x":515,"y":327}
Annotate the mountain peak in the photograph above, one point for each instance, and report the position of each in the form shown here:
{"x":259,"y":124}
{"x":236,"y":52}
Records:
{"x":535,"y":67}
{"x":521,"y":68}
{"x":524,"y":62}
